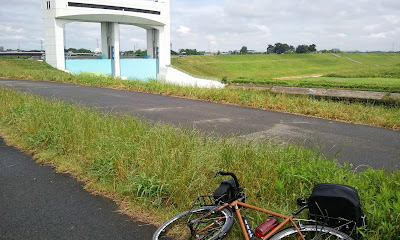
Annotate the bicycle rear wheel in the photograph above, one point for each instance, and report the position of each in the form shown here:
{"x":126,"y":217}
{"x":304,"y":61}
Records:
{"x":311,"y":232}
{"x":215,"y":226}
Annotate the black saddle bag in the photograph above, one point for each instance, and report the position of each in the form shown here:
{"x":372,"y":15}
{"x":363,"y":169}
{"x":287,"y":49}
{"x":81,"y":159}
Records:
{"x":336,"y":205}
{"x":226,"y":192}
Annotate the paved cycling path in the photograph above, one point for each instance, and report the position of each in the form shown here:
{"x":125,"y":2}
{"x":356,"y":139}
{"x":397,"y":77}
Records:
{"x":357,"y":144}
{"x":37,"y":203}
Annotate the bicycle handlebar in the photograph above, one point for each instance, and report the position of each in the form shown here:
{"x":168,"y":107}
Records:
{"x":229,"y":174}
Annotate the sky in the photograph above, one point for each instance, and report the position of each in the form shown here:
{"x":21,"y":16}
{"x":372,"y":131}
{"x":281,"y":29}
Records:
{"x":212,"y":25}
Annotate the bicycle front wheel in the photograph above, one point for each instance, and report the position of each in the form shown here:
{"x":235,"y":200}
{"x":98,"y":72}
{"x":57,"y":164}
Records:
{"x":213,"y":226}
{"x":311,"y":232}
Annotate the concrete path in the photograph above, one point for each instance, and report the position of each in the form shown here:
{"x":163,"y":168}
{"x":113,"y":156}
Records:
{"x":357,"y":144}
{"x":332,"y":93}
{"x":37,"y":203}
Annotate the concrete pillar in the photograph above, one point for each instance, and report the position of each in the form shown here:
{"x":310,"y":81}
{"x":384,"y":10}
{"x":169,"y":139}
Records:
{"x":163,"y":50}
{"x":54,"y":42}
{"x":105,"y":40}
{"x":151,"y":43}
{"x":164,"y":46}
{"x":159,"y":41}
{"x":115,"y":46}
{"x":110,"y":45}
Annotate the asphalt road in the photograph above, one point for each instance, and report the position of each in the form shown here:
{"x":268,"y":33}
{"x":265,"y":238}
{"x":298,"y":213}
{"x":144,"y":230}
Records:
{"x":38,"y":203}
{"x":356,"y":144}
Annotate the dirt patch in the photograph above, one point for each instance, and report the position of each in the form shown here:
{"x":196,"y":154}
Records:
{"x":299,"y":77}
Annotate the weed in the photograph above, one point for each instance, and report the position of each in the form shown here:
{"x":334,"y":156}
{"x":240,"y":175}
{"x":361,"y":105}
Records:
{"x":143,"y":163}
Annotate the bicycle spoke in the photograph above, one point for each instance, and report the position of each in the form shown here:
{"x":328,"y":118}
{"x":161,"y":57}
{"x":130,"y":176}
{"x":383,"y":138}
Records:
{"x":196,"y":224}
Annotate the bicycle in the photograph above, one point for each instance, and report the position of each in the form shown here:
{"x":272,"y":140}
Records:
{"x":212,"y":217}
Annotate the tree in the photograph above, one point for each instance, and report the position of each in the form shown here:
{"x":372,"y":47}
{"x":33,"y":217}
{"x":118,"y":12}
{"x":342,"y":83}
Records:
{"x":81,"y":50}
{"x":302,"y":49}
{"x":191,"y":51}
{"x":306,"y":48}
{"x":270,"y":49}
{"x":281,"y":48}
{"x":312,"y":48}
{"x":243,"y":50}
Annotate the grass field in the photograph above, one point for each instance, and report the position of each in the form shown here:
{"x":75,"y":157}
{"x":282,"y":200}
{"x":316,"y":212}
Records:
{"x":354,"y":112}
{"x":378,"y":71}
{"x":155,"y":170}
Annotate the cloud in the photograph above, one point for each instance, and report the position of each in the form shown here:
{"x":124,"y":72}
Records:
{"x":183,"y":30}
{"x":9,"y":29}
{"x":393,"y":4}
{"x":370,"y":28}
{"x":212,"y":39}
{"x":377,"y":36}
{"x":137,"y":40}
{"x":260,"y":28}
{"x":229,"y":24}
{"x":12,"y":37}
{"x":392,"y":19}
{"x":9,"y":33}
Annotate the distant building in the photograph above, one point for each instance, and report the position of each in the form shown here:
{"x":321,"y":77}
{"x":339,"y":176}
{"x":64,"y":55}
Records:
{"x":1,"y":49}
{"x":183,"y":54}
{"x":97,"y":50}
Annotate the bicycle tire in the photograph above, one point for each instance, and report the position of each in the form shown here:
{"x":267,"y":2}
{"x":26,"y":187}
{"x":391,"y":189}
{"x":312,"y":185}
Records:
{"x":311,"y":232}
{"x":223,"y":219}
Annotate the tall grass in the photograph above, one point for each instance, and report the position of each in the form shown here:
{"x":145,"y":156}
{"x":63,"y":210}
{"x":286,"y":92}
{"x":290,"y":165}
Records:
{"x":159,"y":169}
{"x":362,"y":113}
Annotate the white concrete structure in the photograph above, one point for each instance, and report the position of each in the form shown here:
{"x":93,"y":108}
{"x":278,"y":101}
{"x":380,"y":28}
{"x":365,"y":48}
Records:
{"x":154,"y":16}
{"x":178,"y":77}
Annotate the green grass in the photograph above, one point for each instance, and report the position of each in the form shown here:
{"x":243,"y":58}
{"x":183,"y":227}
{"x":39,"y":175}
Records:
{"x":361,"y":113}
{"x":158,"y":170}
{"x":266,"y":69}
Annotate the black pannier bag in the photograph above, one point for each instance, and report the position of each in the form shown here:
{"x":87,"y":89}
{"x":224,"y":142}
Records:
{"x":335,"y":205}
{"x":225,"y":192}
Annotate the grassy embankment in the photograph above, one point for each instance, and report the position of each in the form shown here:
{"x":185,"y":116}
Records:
{"x":158,"y":170}
{"x":378,"y":71}
{"x":362,"y":113}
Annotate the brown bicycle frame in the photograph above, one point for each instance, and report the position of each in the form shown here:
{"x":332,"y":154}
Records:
{"x":287,"y":219}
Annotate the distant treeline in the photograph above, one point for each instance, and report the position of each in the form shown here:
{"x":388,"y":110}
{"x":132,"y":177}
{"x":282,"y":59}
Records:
{"x":277,"y":48}
{"x":81,"y":50}
{"x":188,"y":52}
{"x":280,"y":48}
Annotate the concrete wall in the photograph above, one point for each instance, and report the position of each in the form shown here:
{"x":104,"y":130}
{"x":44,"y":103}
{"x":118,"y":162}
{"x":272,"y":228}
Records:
{"x":177,"y":77}
{"x":142,"y":69}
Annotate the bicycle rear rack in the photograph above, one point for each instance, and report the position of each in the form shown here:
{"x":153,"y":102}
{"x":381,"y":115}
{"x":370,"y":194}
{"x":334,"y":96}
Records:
{"x":202,"y":201}
{"x":340,"y":224}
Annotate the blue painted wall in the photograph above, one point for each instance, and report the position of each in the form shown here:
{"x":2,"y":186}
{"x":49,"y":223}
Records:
{"x":142,"y":69}
{"x":139,"y":68}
